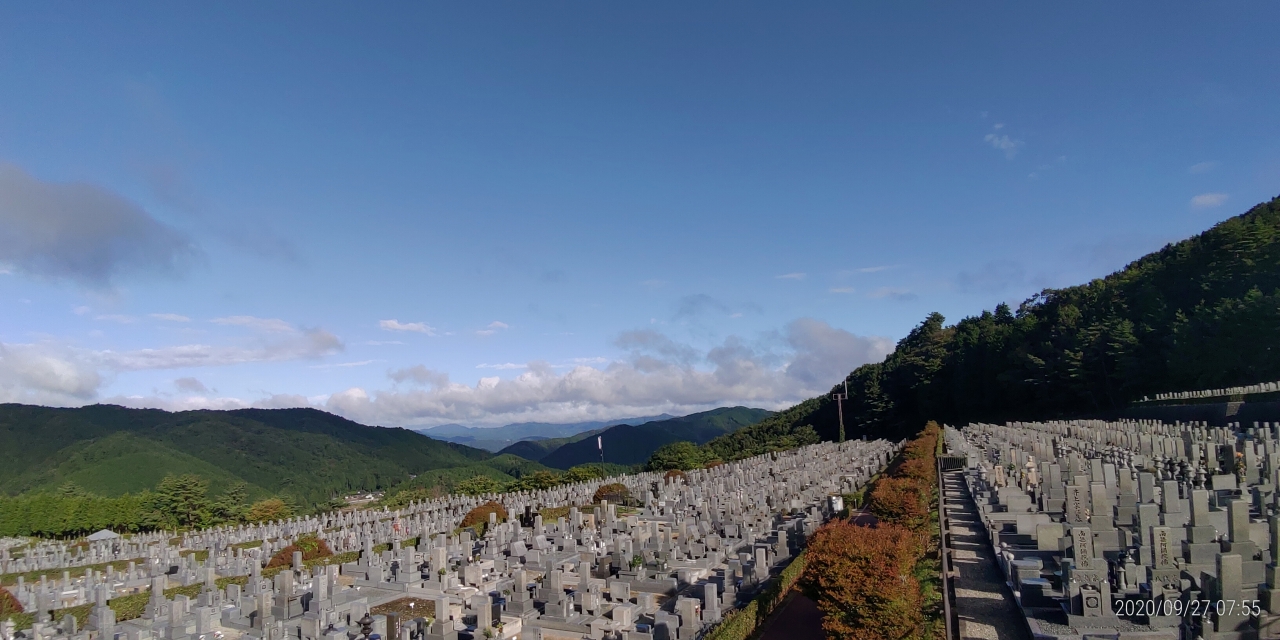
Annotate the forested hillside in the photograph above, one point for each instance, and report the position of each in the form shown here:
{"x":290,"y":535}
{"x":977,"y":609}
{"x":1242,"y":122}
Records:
{"x":536,"y":450}
{"x":499,"y":438}
{"x":306,"y":455}
{"x":1204,"y":312}
{"x":629,"y":445}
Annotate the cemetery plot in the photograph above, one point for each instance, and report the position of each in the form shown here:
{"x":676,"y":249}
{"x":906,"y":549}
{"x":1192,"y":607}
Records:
{"x":691,"y":548}
{"x":1105,"y":528}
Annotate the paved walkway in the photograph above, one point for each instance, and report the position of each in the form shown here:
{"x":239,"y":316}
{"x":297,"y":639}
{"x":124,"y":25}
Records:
{"x":797,"y":618}
{"x":984,"y":603}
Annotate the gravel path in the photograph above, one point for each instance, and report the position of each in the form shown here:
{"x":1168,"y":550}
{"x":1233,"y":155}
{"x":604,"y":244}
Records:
{"x":983,"y":602}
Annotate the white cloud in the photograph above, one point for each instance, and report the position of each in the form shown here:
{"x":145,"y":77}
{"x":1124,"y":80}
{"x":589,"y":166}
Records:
{"x":998,"y":126}
{"x":873,"y":269}
{"x":1003,"y":143}
{"x":901,"y":295}
{"x":660,"y":375}
{"x":334,"y":365}
{"x":272,"y":325}
{"x":842,"y":290}
{"x":648,"y":343}
{"x":1203,"y":167}
{"x":53,"y":374}
{"x":415,"y":327}
{"x":506,"y":366}
{"x":823,"y":354}
{"x":420,"y":375}
{"x":189,"y":403}
{"x":1208,"y":200}
{"x":45,"y":374}
{"x":493,"y":328}
{"x":115,"y":317}
{"x":81,"y":310}
{"x":81,"y":232}
{"x":192,"y":403}
{"x":790,"y":276}
{"x":170,"y":317}
{"x":190,"y":385}
{"x":693,"y":308}
{"x":379,"y":343}
{"x":299,"y":345}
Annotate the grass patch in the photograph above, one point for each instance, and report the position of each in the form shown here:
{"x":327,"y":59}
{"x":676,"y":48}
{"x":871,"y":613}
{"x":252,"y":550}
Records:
{"x":859,"y":498}
{"x":131,"y":606}
{"x":201,"y":555}
{"x":928,"y":571}
{"x":420,"y":608}
{"x":127,"y":607}
{"x":10,"y":579}
{"x":550,"y":514}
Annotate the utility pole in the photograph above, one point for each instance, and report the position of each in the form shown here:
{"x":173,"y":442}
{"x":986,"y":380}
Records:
{"x":840,"y":398}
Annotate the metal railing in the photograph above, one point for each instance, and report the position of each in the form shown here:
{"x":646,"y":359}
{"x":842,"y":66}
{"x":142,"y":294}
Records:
{"x":944,"y":561}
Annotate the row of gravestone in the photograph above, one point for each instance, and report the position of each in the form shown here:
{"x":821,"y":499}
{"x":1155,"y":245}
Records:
{"x":1132,"y":527}
{"x":668,"y":568}
{"x":1263,"y":387}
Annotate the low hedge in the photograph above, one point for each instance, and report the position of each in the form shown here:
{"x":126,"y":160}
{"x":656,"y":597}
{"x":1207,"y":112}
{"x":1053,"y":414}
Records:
{"x":740,"y":624}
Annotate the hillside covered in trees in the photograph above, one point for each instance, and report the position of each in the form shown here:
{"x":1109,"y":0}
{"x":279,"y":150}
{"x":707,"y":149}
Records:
{"x":536,"y":450}
{"x":626,"y":444}
{"x":304,"y":455}
{"x":1203,"y":312}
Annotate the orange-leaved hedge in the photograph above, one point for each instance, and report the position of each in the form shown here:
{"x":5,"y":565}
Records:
{"x":310,"y":546}
{"x":9,"y":605}
{"x":480,"y":515}
{"x":918,"y":469}
{"x":901,"y":501}
{"x":862,"y":580}
{"x":925,"y":445}
{"x":905,"y":496}
{"x":614,"y":492}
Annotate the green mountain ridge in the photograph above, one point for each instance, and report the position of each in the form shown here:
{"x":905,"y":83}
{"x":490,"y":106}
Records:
{"x":1200,"y":313}
{"x":306,"y":454}
{"x":121,"y":463}
{"x":633,"y":444}
{"x":498,"y":438}
{"x":536,"y":450}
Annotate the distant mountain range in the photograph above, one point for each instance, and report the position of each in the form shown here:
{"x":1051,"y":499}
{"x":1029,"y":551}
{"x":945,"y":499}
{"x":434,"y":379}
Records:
{"x":537,"y":449}
{"x":633,"y":444}
{"x":496,"y":438}
{"x":306,"y":454}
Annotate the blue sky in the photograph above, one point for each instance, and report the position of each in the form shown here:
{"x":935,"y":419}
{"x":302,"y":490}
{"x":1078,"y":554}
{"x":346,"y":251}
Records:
{"x":413,"y":214}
